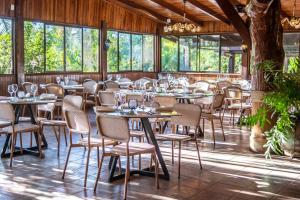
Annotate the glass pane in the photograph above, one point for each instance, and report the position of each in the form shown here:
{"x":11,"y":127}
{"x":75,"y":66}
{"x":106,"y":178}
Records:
{"x":137,"y":52}
{"x":148,"y":53}
{"x":73,"y":49}
{"x":291,"y":43}
{"x":112,"y":53}
{"x":188,"y":53}
{"x":34,"y":47}
{"x":124,"y":52}
{"x":90,"y":50}
{"x":6,"y":47}
{"x":169,"y":53}
{"x":231,"y":53}
{"x":209,"y":53}
{"x":54,"y":48}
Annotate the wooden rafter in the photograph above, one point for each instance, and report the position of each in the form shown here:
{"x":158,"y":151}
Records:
{"x":209,"y":11}
{"x":236,"y":20}
{"x":145,"y":9}
{"x":174,"y":9}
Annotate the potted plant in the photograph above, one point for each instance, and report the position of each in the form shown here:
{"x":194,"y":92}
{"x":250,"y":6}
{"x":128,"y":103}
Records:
{"x":283,"y":102}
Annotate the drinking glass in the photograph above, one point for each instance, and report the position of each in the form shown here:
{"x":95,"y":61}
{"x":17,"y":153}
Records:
{"x":145,"y":97}
{"x":66,"y":79}
{"x":58,"y":80}
{"x":151,"y":97}
{"x":116,"y":98}
{"x":21,"y":94}
{"x":15,"y":89}
{"x":166,"y":85}
{"x":118,"y":77}
{"x":109,"y":77}
{"x":155,"y":83}
{"x":34,"y":89}
{"x":122,"y":100}
{"x":132,"y":104}
{"x":10,"y":90}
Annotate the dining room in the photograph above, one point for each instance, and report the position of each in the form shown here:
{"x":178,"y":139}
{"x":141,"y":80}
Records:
{"x":149,"y":99}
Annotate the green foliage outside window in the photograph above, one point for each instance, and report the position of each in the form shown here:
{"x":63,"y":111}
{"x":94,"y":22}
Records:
{"x":5,"y":46}
{"x":130,"y":52}
{"x":169,"y":53}
{"x":60,"y":48}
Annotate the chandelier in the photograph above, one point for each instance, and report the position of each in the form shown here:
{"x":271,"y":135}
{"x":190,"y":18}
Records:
{"x":293,"y":21}
{"x":182,"y":27}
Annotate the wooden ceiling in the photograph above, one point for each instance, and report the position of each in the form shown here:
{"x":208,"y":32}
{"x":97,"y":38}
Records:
{"x":197,"y":11}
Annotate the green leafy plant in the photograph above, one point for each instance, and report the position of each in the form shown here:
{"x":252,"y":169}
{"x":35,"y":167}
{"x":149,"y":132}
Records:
{"x":283,"y":101}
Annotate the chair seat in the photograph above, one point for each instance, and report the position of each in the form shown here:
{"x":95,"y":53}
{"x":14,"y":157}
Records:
{"x":206,"y":113}
{"x":239,"y":106}
{"x":96,"y":142}
{"x":88,"y":101}
{"x":48,"y":122}
{"x":172,"y":137}
{"x":21,"y":127}
{"x":4,"y":123}
{"x":28,"y":119}
{"x":134,"y":133}
{"x":58,"y":103}
{"x":134,"y":149}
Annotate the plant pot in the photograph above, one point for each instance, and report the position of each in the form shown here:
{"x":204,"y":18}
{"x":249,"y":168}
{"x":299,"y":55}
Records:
{"x":292,"y":147}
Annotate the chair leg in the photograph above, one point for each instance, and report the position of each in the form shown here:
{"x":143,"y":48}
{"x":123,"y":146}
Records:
{"x":140,"y":157}
{"x":127,"y":175}
{"x":203,"y":128}
{"x":66,"y":164}
{"x":12,"y":148}
{"x":98,"y":156}
{"x":221,"y":123}
{"x":156,"y":170}
{"x":65,"y":133}
{"x":213,"y":131}
{"x":87,"y":166}
{"x":39,"y":143}
{"x":198,"y":152}
{"x":30,"y":139}
{"x":120,"y":165}
{"x":179,"y":158}
{"x":58,"y":143}
{"x":21,"y":144}
{"x":172,"y":152}
{"x":99,"y":172}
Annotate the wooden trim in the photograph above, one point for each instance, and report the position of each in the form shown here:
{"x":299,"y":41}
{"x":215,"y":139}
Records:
{"x":177,"y":11}
{"x":236,"y":21}
{"x":103,"y":52}
{"x":209,"y":11}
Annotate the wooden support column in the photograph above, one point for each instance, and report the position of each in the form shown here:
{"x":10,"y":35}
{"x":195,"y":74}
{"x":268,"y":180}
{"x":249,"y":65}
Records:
{"x":246,"y":65}
{"x":266,"y":35}
{"x":19,"y":42}
{"x":157,"y":52}
{"x":103,"y":51}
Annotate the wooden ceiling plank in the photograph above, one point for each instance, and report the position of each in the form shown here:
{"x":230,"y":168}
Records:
{"x":140,"y":7}
{"x":174,"y":9}
{"x":236,"y":20}
{"x":209,"y":11}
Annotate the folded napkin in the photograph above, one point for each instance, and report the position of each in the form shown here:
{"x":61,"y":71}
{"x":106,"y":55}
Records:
{"x":45,"y":96}
{"x":104,"y":109}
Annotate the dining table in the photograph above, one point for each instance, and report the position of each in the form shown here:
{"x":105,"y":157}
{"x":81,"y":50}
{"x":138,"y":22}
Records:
{"x":144,"y":116}
{"x":29,"y":103}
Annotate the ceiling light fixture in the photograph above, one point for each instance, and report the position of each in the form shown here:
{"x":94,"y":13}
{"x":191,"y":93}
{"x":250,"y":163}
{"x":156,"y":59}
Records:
{"x":181,"y":27}
{"x":292,"y":21}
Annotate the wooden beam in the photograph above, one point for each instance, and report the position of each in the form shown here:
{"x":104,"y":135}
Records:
{"x":103,"y":51}
{"x":236,"y":21}
{"x":284,"y":14}
{"x":177,"y":11}
{"x":145,"y":9}
{"x":19,"y":42}
{"x":209,"y":11}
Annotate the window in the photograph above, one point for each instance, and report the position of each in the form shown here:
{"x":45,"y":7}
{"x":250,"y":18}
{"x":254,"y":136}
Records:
{"x":169,"y":53}
{"x":202,"y":53}
{"x":124,"y":52}
{"x":6,"y":65}
{"x":148,"y":53}
{"x":188,"y":51}
{"x":52,"y":48}
{"x":231,"y":53}
{"x":209,"y":53}
{"x":291,"y":42}
{"x":130,"y":52}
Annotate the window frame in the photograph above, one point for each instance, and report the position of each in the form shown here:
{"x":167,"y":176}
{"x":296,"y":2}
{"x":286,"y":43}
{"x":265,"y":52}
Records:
{"x":13,"y":46}
{"x":45,"y":23}
{"x":118,"y":52}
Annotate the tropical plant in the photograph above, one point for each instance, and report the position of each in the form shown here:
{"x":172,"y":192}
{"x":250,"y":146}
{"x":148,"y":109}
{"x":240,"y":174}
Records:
{"x":283,"y":101}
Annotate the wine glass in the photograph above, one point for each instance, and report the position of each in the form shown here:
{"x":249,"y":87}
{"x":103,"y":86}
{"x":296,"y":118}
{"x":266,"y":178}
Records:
{"x":21,"y":94}
{"x":10,"y":90}
{"x":109,"y":77}
{"x":118,"y":77}
{"x":166,"y":85}
{"x":66,"y":79}
{"x":34,"y":89}
{"x":154,"y":84}
{"x":116,"y":98}
{"x":145,"y":97}
{"x":122,"y":99}
{"x":151,"y":97}
{"x":15,"y":89}
{"x":58,"y":80}
{"x":132,"y":104}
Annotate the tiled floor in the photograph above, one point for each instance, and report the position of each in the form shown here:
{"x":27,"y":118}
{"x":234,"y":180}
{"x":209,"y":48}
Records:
{"x":230,"y":171}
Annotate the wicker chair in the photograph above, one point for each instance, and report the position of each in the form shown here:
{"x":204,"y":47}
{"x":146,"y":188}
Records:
{"x":90,"y":93}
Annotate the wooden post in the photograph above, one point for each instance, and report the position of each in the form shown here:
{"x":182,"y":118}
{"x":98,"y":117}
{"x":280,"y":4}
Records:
{"x":19,"y":42}
{"x":103,"y":51}
{"x":266,"y":35}
{"x":157,"y":53}
{"x":246,"y":64}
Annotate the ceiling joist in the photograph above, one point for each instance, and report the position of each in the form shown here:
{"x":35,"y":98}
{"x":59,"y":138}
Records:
{"x":175,"y":10}
{"x":209,"y":11}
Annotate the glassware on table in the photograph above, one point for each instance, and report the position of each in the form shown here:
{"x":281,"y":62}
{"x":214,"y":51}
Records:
{"x":10,"y":90}
{"x":132,"y":104}
{"x":154,"y":84}
{"x":122,"y":99}
{"x":166,"y":86}
{"x":118,"y":77}
{"x":145,"y":98}
{"x":109,"y":77}
{"x":21,"y":94}
{"x":58,"y":80}
{"x":15,"y":89}
{"x":151,"y":97}
{"x":116,"y":98}
{"x":66,"y":80}
{"x":34,"y":89}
